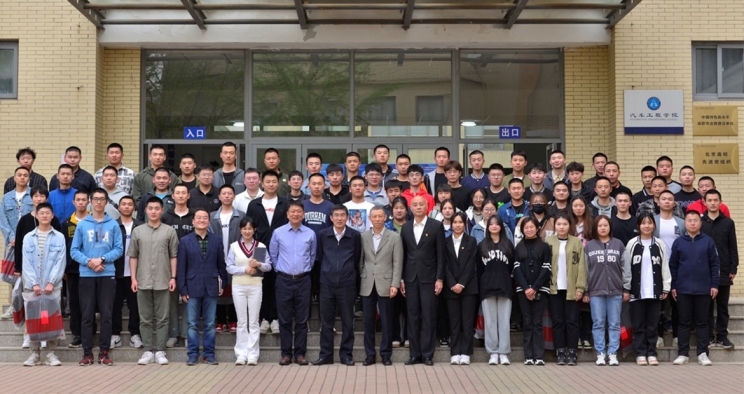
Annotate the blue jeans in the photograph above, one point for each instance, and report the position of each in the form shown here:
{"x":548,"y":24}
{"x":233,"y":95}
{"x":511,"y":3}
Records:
{"x":606,"y":313}
{"x":208,"y":307}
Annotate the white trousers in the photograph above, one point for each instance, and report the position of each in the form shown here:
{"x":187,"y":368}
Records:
{"x":247,"y":301}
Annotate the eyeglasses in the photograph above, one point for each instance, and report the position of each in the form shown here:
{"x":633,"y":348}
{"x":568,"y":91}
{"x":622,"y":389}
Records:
{"x":206,"y":175}
{"x":99,"y":199}
{"x":489,"y":210}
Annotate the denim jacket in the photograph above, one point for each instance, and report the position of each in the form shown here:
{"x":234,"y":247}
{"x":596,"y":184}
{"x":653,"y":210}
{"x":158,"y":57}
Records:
{"x":51,"y":269}
{"x":10,"y":215}
{"x":509,"y":216}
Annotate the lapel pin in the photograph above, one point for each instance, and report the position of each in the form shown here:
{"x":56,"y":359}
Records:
{"x":426,"y":235}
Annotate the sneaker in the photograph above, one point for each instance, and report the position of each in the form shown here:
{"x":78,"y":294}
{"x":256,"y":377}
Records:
{"x":104,"y":359}
{"x":275,"y":326}
{"x":160,"y":357}
{"x":52,"y":360}
{"x":209,"y":360}
{"x":681,"y":360}
{"x":147,"y":358}
{"x":659,"y":342}
{"x":443,"y":342}
{"x":614,"y":362}
{"x":539,"y":361}
{"x":561,"y":356}
{"x":504,"y":359}
{"x":494,"y":360}
{"x":455,"y":360}
{"x":171,"y":342}
{"x":529,"y":361}
{"x":43,"y":344}
{"x":193,"y":360}
{"x":252,"y":361}
{"x":572,"y":357}
{"x":396,"y":343}
{"x":241,"y":360}
{"x":675,"y":343}
{"x":135,"y":341}
{"x":713,"y":343}
{"x":264,"y":328}
{"x":641,"y":360}
{"x":32,"y":360}
{"x":8,"y":314}
{"x":115,"y":341}
{"x":587,"y":345}
{"x":600,"y":359}
{"x":405,"y":343}
{"x":218,"y":328}
{"x":26,"y":342}
{"x":464,"y":360}
{"x":233,"y":327}
{"x":358,"y":314}
{"x":76,"y":342}
{"x":86,"y":360}
{"x":653,"y":361}
{"x":704,"y":360}
{"x":726,"y":344}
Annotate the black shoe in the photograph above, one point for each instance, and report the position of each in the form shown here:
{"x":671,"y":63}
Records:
{"x":428,"y":361}
{"x":560,"y":355}
{"x":76,"y":342}
{"x":726,"y":344}
{"x":444,"y":342}
{"x":386,"y":360}
{"x":323,"y":361}
{"x":572,"y":357}
{"x":413,"y":361}
{"x":348,"y":362}
{"x":370,"y":360}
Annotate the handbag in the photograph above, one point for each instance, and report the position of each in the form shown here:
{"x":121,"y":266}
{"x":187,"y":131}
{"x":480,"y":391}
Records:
{"x":8,"y":266}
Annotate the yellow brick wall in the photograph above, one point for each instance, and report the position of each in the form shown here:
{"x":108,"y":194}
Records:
{"x":121,"y":104}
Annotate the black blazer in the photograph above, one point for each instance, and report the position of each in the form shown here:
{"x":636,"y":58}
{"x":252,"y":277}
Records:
{"x":423,"y":261}
{"x":264,"y":229}
{"x":461,"y":269}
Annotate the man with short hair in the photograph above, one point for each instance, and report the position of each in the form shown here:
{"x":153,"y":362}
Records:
{"x":229,"y":173}
{"x":560,"y":199}
{"x":612,"y":172}
{"x":358,"y":206}
{"x":153,"y":249}
{"x":20,"y":200}
{"x":25,"y":158}
{"x":353,"y":162}
{"x":658,"y":185}
{"x":723,"y":232}
{"x":402,"y":163}
{"x":436,"y":178}
{"x":28,"y":222}
{"x":496,"y":190}
{"x":114,"y":155}
{"x":336,"y":192}
{"x":598,"y":163}
{"x":382,"y":155}
{"x":374,"y":192}
{"x":687,"y":195}
{"x":623,"y":222}
{"x":293,"y":249}
{"x":381,"y":268}
{"x":313,"y":165}
{"x":82,"y":180}
{"x":415,"y":178}
{"x":109,"y":182}
{"x":576,"y":186}
{"x":127,"y":223}
{"x":143,"y":182}
{"x":162,"y":190}
{"x":272,"y":162}
{"x":96,"y":246}
{"x":317,"y":218}
{"x":296,"y":192}
{"x":694,"y":265}
{"x":72,"y":270}
{"x":516,"y":208}
{"x":460,"y":194}
{"x":557,"y":171}
{"x":705,"y":184}
{"x":205,"y":194}
{"x":603,"y":203}
{"x":62,"y":197}
{"x":665,"y":168}
{"x":339,"y":249}
{"x":201,"y":258}
{"x":252,"y":182}
{"x":187,"y":166}
{"x":648,"y":173}
{"x":519,"y":163}
{"x":477,"y":179}
{"x":537,"y":177}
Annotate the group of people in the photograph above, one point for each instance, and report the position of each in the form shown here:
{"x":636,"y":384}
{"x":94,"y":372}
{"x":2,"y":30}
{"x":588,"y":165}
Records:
{"x":427,"y":254}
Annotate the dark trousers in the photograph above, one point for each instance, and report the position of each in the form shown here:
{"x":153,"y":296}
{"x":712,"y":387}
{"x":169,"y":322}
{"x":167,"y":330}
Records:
{"x":693,"y":308}
{"x":226,"y":314}
{"x":293,"y":302}
{"x":422,"y":313}
{"x":268,"y":303}
{"x":672,"y":305}
{"x":124,"y":292}
{"x":565,"y":316}
{"x":585,"y":324}
{"x":461,"y":324}
{"x":722,"y":313}
{"x":333,"y":299}
{"x":97,"y":292}
{"x":644,"y":314}
{"x":532,"y":324}
{"x":370,"y":304}
{"x":400,"y":334}
{"x":73,"y":297}
{"x":443,"y":324}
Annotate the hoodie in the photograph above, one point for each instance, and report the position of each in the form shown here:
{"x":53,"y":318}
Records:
{"x":238,"y":182}
{"x":184,"y":225}
{"x":608,"y":210}
{"x":694,"y":265}
{"x":95,"y":239}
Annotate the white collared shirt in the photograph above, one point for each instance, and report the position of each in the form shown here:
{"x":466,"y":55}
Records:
{"x":339,"y":235}
{"x":377,"y":238}
{"x":457,"y":241}
{"x":418,"y":229}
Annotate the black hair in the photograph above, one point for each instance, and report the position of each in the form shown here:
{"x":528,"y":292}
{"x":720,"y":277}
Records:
{"x":516,"y":180}
{"x":713,"y":191}
{"x":107,"y":168}
{"x":100,"y":190}
{"x":155,"y":200}
{"x":203,"y":167}
{"x":317,"y":174}
{"x":333,"y":167}
{"x":373,"y":167}
{"x":25,"y":151}
{"x":246,"y":221}
{"x":314,"y":156}
{"x":269,"y":173}
{"x":415,"y":168}
{"x":229,"y":144}
{"x":356,"y":178}
{"x":295,"y":203}
{"x":114,"y":145}
{"x":44,"y":205}
{"x":39,"y":190}
{"x":686,"y":167}
{"x":575,"y":166}
{"x":226,"y":186}
{"x":648,"y":169}
{"x":504,"y":245}
{"x":664,"y":158}
{"x":392,"y":184}
{"x":538,"y":166}
{"x":519,"y":153}
{"x":598,"y":154}
{"x":294,"y":173}
{"x":644,"y":215}
{"x":476,"y":152}
{"x":444,"y":148}
{"x":69,"y":167}
{"x":340,"y":207}
{"x":381,"y":146}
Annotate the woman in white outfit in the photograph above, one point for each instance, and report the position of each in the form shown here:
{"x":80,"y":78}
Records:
{"x":247,"y":260}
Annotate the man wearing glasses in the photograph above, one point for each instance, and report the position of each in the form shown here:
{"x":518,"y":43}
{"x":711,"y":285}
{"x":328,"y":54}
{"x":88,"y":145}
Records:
{"x":205,"y":195}
{"x":496,"y":190}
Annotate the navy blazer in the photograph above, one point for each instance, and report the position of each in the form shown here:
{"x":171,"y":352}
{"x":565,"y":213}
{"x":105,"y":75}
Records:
{"x":196,"y":275}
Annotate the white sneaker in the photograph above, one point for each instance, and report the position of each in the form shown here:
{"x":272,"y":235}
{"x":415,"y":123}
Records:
{"x":52,"y":360}
{"x":171,"y":342}
{"x":464,"y":360}
{"x":8,"y":314}
{"x":240,"y":361}
{"x":252,"y":361}
{"x":640,"y":360}
{"x":660,"y":342}
{"x":43,"y":344}
{"x":455,"y":360}
{"x":529,"y":361}
{"x":704,"y":360}
{"x":396,"y":343}
{"x":115,"y":341}
{"x":653,"y":361}
{"x":161,"y":359}
{"x":147,"y":358}
{"x":135,"y":341}
{"x":613,"y":360}
{"x":26,"y":342}
{"x":539,"y":361}
{"x":494,"y":360}
{"x":504,"y":359}
{"x":264,"y":328}
{"x":600,"y":359}
{"x":674,"y":342}
{"x":681,"y":360}
{"x":275,"y":327}
{"x":32,"y":360}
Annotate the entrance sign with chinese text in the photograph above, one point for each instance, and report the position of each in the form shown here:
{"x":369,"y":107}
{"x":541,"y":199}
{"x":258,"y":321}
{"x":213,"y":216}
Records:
{"x":654,"y":112}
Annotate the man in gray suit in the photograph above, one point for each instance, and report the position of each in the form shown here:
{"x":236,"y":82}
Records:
{"x":381,"y":266}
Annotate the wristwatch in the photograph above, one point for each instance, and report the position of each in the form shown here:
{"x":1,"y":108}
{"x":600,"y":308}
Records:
{"x":103,"y":259}
{"x":173,"y":277}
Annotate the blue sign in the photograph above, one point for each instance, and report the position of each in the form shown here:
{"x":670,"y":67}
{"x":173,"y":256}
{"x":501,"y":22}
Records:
{"x":653,"y":103}
{"x":195,"y":132}
{"x":510,"y":132}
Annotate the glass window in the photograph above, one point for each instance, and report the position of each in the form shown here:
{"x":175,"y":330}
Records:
{"x":706,"y":72}
{"x":504,"y":88}
{"x":8,"y":70}
{"x":403,"y":94}
{"x":732,"y":70}
{"x":300,"y":94}
{"x":194,"y":88}
{"x":718,"y":71}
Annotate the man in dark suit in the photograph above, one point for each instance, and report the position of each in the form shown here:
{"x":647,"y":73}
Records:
{"x":381,"y":266}
{"x":423,"y":273}
{"x":200,"y":259}
{"x":269,"y":212}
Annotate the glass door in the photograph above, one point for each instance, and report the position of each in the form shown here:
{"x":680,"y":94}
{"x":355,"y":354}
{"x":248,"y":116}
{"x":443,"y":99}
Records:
{"x":367,"y":154}
{"x":289,"y":157}
{"x":203,"y":154}
{"x":328,"y":153}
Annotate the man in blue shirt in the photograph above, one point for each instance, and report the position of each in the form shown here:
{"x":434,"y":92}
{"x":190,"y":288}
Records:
{"x":293,"y":249}
{"x":63,"y":196}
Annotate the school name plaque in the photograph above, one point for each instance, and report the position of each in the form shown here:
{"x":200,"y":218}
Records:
{"x":720,"y":158}
{"x":715,"y":120}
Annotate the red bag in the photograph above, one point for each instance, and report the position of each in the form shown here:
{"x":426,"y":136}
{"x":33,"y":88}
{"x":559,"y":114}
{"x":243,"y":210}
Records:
{"x":43,"y":318}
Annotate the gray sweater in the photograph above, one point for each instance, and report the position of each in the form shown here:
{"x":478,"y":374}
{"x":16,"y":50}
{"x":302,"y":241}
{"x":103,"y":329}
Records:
{"x":608,"y":272}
